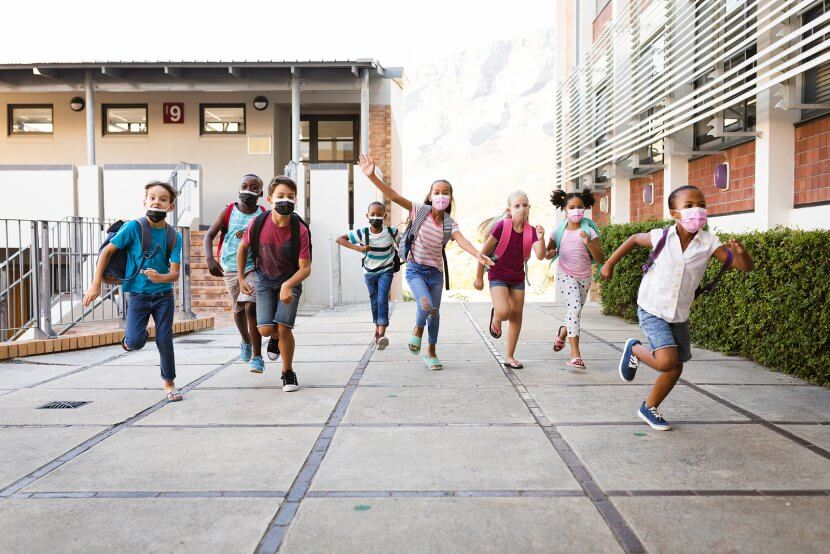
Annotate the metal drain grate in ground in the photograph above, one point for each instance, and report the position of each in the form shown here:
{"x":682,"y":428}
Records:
{"x":63,"y":405}
{"x":196,"y":341}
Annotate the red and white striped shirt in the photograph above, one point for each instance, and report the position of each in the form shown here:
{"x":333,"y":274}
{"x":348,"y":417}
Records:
{"x":426,"y":248}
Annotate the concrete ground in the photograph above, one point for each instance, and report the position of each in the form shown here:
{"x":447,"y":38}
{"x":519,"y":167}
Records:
{"x":376,"y":453}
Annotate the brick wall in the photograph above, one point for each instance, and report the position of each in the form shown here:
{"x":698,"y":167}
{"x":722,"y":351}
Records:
{"x":640,"y":211}
{"x":601,"y":218}
{"x":380,"y":144}
{"x":601,"y":21}
{"x":740,"y":196}
{"x":812,"y":162}
{"x":208,"y":292}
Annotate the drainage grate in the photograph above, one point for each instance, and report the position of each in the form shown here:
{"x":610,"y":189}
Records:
{"x":63,"y":405}
{"x":195,"y":341}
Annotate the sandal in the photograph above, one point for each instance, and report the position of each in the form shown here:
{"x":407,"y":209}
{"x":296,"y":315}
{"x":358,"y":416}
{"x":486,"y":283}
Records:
{"x":174,"y":395}
{"x":559,"y":342}
{"x":414,"y":344}
{"x":517,"y":365}
{"x":577,"y":363}
{"x":493,"y":333}
{"x":433,"y":363}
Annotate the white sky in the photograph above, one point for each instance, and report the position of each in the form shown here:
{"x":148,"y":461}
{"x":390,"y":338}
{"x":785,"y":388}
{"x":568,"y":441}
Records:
{"x":391,"y":31}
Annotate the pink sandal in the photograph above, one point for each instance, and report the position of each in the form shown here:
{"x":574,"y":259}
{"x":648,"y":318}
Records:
{"x":577,"y":363}
{"x":559,"y":343}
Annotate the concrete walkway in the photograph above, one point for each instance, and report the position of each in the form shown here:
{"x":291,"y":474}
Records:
{"x":376,"y":453}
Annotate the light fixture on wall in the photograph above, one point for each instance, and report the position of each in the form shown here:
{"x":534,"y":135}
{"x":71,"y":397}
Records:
{"x":260,"y":103}
{"x":77,"y":104}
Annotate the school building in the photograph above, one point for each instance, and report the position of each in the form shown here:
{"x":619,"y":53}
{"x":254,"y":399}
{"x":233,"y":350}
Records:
{"x":732,"y":96}
{"x":82,"y":139}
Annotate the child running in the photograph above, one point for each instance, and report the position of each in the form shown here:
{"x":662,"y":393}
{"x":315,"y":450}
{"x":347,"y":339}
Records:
{"x":429,"y":230}
{"x":379,"y":244}
{"x":230,"y":224}
{"x":280,"y":245}
{"x":512,"y":238}
{"x":577,"y":244}
{"x":680,"y":255}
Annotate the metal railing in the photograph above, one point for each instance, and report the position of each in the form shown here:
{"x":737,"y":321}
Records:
{"x":184,"y":179}
{"x":45,"y":268}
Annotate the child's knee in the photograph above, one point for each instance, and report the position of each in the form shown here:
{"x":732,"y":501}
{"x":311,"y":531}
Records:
{"x":434,"y":314}
{"x":250,"y":309}
{"x":426,"y":305}
{"x":266,"y":330}
{"x":283,"y":331}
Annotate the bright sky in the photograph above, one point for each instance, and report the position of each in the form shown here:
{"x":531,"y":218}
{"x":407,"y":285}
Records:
{"x":393,"y":32}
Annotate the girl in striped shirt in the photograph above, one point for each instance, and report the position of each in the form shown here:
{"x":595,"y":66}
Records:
{"x":425,"y":267}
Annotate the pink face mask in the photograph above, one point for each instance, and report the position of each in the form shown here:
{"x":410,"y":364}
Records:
{"x":693,"y":219}
{"x":576,"y":214}
{"x":440,"y":201}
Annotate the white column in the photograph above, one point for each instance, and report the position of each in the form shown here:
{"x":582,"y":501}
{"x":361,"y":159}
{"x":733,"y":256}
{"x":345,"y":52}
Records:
{"x":295,"y":118}
{"x":364,"y":111}
{"x":620,"y":200}
{"x":90,"y":120}
{"x":675,"y":175}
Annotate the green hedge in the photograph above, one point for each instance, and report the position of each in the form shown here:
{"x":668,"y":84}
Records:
{"x":778,"y":314}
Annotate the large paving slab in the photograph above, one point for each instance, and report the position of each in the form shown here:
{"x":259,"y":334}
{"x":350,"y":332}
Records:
{"x":437,"y":405}
{"x":309,"y":374}
{"x":106,"y":407}
{"x":599,"y":372}
{"x":247,"y":407}
{"x":778,"y":403}
{"x":352,"y":353}
{"x":124,"y":377}
{"x":209,"y":357}
{"x":18,"y":375}
{"x":447,"y":353}
{"x":729,"y":456}
{"x":442,"y":458}
{"x":25,"y":449}
{"x":735,"y":372}
{"x":415,"y":372}
{"x":175,"y":460}
{"x":816,"y":434}
{"x":76,"y":357}
{"x":620,"y":403}
{"x":591,"y":352}
{"x":448,"y":525}
{"x":730,"y":524}
{"x":134,"y":525}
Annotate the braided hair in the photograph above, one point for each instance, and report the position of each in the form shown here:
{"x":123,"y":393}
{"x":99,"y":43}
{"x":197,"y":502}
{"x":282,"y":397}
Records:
{"x":559,"y":198}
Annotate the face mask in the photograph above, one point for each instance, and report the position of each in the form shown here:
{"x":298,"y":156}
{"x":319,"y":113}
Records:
{"x":248,"y":197}
{"x":155,"y":215}
{"x":693,"y":219}
{"x":284,"y":206}
{"x":376,"y":221}
{"x":440,"y":201}
{"x":519,"y":214}
{"x":576,"y":214}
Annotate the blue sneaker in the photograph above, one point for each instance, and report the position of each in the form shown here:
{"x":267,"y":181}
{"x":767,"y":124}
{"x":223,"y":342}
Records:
{"x":628,"y":361}
{"x":653,"y":418}
{"x":245,"y":351}
{"x":257,"y":364}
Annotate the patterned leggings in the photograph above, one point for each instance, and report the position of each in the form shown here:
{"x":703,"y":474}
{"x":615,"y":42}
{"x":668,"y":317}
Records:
{"x":575,"y":292}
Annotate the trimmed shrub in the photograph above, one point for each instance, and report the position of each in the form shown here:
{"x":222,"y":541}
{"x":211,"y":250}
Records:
{"x":778,"y":314}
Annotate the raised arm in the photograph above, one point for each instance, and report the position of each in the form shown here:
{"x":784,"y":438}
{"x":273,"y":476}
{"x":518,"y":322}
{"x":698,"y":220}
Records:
{"x":367,"y":165}
{"x":467,"y":246}
{"x":742,"y":259}
{"x":638,"y":239}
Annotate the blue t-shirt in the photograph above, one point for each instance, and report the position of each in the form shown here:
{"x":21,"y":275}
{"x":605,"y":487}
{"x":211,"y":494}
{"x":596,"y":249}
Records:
{"x":129,"y":237}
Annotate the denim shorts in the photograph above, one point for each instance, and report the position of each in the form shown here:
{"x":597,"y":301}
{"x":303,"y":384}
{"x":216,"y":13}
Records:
{"x":662,"y":334}
{"x":514,"y":286}
{"x":269,"y":309}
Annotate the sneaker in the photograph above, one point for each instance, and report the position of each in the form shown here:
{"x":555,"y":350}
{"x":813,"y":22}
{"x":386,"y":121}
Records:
{"x":257,"y":365}
{"x":382,"y":342}
{"x":245,"y":351}
{"x":289,"y":381}
{"x":273,"y":349}
{"x":653,"y":418}
{"x":628,"y":361}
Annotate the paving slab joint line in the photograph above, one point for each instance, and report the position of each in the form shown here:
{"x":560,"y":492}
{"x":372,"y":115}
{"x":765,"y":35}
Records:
{"x":74,"y":371}
{"x":622,"y":532}
{"x":76,"y":451}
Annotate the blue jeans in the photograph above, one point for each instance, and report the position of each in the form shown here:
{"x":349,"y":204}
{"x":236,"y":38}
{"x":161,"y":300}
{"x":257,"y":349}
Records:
{"x":427,"y":283}
{"x":379,"y":284}
{"x":139,"y":309}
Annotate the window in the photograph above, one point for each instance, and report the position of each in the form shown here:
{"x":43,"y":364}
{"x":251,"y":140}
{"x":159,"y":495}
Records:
{"x":125,"y":119}
{"x":222,"y":119}
{"x":652,"y":59}
{"x":30,"y":119}
{"x":817,"y":79}
{"x":329,"y":138}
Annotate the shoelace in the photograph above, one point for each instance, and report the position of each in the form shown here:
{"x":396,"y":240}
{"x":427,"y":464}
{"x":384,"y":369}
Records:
{"x":633,"y":362}
{"x":656,"y":414}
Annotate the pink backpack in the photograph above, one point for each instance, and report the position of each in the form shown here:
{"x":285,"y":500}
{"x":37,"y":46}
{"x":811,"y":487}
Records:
{"x":528,"y":238}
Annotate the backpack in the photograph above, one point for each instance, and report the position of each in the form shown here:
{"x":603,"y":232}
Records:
{"x":223,"y":230}
{"x":411,"y":231}
{"x":586,"y":225}
{"x":294,"y":225}
{"x":115,"y":272}
{"x":701,"y":289}
{"x":528,"y":238}
{"x":396,"y":261}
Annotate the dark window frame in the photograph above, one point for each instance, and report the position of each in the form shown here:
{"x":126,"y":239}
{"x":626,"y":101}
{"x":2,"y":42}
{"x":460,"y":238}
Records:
{"x":10,"y":120}
{"x":242,"y":105}
{"x":313,"y":137}
{"x":105,"y":121}
{"x":809,"y":93}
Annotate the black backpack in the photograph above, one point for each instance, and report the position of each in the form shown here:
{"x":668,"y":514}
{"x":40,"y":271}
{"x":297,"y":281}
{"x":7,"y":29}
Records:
{"x":295,"y":223}
{"x":395,"y":264}
{"x":115,"y":272}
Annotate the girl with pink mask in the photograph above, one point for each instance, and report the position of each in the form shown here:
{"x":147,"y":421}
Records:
{"x":577,"y":245}
{"x":679,"y":257}
{"x":425,"y":260}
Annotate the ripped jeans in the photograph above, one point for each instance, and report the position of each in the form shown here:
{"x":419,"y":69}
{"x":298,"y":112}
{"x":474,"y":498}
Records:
{"x":427,"y":284}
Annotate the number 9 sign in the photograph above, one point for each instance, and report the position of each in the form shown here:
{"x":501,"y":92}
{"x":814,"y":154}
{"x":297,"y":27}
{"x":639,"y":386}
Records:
{"x":173,"y":112}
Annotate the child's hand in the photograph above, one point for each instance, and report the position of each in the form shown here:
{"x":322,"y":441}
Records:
{"x":485,"y":261}
{"x":286,"y":296}
{"x":215,"y":269}
{"x":607,"y":271}
{"x":550,"y":254}
{"x":93,"y":293}
{"x":367,"y":165}
{"x":362,"y":248}
{"x":584,"y":236}
{"x":153,"y":275}
{"x":239,"y":234}
{"x":736,"y":247}
{"x":478,"y":284}
{"x":244,"y":287}
{"x":540,"y":232}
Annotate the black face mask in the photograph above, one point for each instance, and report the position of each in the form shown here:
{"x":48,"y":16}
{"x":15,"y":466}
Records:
{"x":376,"y":222}
{"x":248,"y":198}
{"x":155,"y":215}
{"x":284,"y":207}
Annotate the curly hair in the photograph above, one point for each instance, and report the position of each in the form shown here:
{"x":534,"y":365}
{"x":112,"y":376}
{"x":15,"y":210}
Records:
{"x":559,"y":198}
